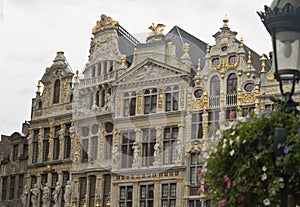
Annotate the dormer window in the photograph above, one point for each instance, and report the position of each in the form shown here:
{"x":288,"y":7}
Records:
{"x":215,"y":61}
{"x":56,"y":91}
{"x":232,"y":59}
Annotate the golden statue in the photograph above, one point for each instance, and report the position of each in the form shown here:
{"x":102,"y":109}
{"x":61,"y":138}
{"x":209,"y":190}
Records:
{"x":104,"y":21}
{"x":157,"y":29}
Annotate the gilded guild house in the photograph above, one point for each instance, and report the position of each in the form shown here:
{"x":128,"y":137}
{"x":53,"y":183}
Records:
{"x":133,"y":129}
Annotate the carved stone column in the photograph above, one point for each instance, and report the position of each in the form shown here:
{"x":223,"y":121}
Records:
{"x":99,"y":187}
{"x":29,"y":141}
{"x":40,"y":141}
{"x":39,"y":181}
{"x":50,"y":155}
{"x":157,"y":193}
{"x":135,"y":193}
{"x":204,"y":123}
{"x":61,"y":136}
{"x":75,"y":191}
{"x":180,"y":145}
{"x":179,"y":192}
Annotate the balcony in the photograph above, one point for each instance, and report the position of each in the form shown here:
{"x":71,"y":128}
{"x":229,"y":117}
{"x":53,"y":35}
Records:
{"x":94,"y":81}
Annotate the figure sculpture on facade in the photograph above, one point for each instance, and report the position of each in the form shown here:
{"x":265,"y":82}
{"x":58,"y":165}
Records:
{"x":156,"y":154}
{"x":46,"y":196}
{"x":35,"y":195}
{"x":179,"y":147}
{"x":24,"y":195}
{"x":56,"y":194}
{"x":67,"y":194}
{"x":116,"y":155}
{"x":136,"y":153}
{"x":107,"y":102}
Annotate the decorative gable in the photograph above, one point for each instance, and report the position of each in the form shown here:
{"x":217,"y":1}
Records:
{"x":149,"y":71}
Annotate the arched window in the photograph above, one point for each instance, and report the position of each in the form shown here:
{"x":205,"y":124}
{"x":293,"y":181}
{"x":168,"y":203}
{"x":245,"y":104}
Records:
{"x":214,"y":99}
{"x":56,"y":91}
{"x":232,"y":84}
{"x":231,"y":96}
{"x":97,"y":98}
{"x":40,"y":104}
{"x":71,"y":98}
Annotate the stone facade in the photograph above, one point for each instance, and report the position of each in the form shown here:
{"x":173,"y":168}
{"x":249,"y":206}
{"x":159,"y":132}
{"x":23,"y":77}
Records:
{"x":13,"y":168}
{"x":134,"y":130}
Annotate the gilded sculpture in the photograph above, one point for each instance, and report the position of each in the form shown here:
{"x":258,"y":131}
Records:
{"x":103,"y":22}
{"x":157,"y":29}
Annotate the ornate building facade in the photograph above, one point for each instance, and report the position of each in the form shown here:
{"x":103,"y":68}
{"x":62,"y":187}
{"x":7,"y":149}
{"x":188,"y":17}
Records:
{"x":134,"y":130}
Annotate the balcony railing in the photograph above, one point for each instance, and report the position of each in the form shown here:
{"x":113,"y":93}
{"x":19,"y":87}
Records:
{"x":231,"y":99}
{"x":214,"y":101}
{"x":96,"y":80}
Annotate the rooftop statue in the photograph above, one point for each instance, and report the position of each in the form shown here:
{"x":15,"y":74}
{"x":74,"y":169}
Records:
{"x":157,"y":29}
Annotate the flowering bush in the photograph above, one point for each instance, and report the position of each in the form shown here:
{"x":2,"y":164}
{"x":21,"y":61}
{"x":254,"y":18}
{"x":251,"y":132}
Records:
{"x":242,"y":169}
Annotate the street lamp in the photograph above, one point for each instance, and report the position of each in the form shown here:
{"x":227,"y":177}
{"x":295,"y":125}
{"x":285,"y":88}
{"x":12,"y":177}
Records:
{"x":282,"y":20}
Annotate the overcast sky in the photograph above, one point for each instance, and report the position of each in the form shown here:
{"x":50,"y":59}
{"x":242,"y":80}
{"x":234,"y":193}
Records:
{"x":32,"y":31}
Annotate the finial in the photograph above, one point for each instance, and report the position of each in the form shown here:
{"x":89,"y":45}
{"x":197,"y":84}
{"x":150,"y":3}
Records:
{"x":225,"y":20}
{"x":186,"y":48}
{"x":199,"y":67}
{"x":123,"y":60}
{"x":38,"y":87}
{"x":242,"y":42}
{"x":249,"y":62}
{"x":263,"y":63}
{"x":207,"y":48}
{"x":76,"y":76}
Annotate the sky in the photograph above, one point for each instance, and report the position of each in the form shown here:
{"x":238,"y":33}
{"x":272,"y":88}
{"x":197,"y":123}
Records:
{"x":32,"y":31}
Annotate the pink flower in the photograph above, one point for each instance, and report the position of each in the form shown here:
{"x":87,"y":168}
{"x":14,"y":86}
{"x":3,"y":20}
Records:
{"x":228,"y":184}
{"x":222,"y":202}
{"x":232,"y":115}
{"x":226,"y":178}
{"x":199,"y":171}
{"x":241,"y":198}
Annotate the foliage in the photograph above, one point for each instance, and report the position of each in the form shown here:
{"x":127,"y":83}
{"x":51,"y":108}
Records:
{"x":242,"y":169}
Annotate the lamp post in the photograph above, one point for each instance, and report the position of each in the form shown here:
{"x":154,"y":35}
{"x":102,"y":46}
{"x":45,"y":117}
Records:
{"x":282,"y":20}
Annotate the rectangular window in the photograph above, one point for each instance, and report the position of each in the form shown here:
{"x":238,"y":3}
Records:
{"x":125,"y":196}
{"x":149,"y":140}
{"x":21,"y":184}
{"x":171,"y":98}
{"x":94,"y":148}
{"x":44,"y":178}
{"x":15,"y":152}
{"x":194,"y":203}
{"x":54,"y":180}
{"x":67,"y":141}
{"x":25,"y":150}
{"x":168,"y":198}
{"x":169,"y":148}
{"x":84,"y":150}
{"x":150,"y":101}
{"x":82,"y":190}
{"x":231,"y":114}
{"x":12,"y":188}
{"x":33,"y":181}
{"x":129,"y":104}
{"x":213,"y":122}
{"x":56,"y":147}
{"x":46,"y":144}
{"x":92,"y":193}
{"x":195,"y":174}
{"x":108,"y":147}
{"x":4,"y":189}
{"x":197,"y":130}
{"x":146,"y":195}
{"x":128,"y":139}
{"x":106,"y":189}
{"x":35,"y":146}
